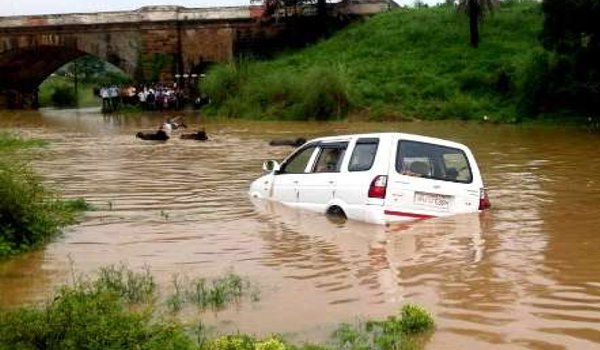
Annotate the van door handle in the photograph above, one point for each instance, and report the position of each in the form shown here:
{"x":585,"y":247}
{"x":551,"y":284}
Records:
{"x":331,"y":182}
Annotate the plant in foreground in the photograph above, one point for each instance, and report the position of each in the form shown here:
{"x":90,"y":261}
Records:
{"x":117,"y":311}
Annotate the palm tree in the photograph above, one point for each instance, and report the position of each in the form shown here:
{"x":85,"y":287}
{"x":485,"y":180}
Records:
{"x":476,"y":9}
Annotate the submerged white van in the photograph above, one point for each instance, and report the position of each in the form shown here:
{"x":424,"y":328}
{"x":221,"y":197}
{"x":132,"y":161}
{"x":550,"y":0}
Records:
{"x":377,"y":178}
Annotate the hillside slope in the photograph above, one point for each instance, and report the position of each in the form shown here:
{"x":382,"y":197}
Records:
{"x":407,"y":63}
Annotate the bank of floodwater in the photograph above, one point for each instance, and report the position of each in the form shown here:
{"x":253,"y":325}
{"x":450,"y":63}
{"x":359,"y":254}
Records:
{"x":408,"y":63}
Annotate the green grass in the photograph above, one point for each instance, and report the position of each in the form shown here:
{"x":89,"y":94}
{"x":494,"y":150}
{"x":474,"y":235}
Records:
{"x":97,"y":314}
{"x":407,"y":63}
{"x":11,"y":143}
{"x":30,"y":213}
{"x":212,"y":294}
{"x":60,"y":92}
{"x":119,"y":310}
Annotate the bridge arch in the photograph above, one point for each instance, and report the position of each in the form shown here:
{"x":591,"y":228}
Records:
{"x":28,"y":58}
{"x":26,"y":69}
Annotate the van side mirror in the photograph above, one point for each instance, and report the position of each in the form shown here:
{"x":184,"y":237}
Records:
{"x":271,"y":166}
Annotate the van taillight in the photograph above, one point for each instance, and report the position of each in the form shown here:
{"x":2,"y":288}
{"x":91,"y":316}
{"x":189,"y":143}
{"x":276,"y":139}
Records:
{"x":378,"y":186}
{"x":484,"y":201}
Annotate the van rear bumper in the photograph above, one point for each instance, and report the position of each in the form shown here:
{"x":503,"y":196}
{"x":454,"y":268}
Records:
{"x":373,"y":214}
{"x":376,"y":214}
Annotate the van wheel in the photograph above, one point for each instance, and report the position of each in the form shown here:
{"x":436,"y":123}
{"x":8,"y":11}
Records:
{"x":337,"y":213}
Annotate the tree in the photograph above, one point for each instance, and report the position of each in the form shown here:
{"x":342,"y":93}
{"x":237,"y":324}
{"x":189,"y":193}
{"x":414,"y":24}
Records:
{"x":292,"y":6}
{"x":572,"y":34}
{"x":475,"y":10}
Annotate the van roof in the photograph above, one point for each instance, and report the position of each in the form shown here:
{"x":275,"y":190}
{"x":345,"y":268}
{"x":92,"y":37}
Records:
{"x":412,"y":137}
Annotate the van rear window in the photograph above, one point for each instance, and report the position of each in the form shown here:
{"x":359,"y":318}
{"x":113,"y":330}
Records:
{"x":433,"y":161}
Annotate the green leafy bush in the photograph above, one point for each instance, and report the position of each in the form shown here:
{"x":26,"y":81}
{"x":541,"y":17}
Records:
{"x":242,"y":90}
{"x":89,"y":315}
{"x":415,"y":319}
{"x":63,"y":96}
{"x":30,"y":214}
{"x":392,"y":333}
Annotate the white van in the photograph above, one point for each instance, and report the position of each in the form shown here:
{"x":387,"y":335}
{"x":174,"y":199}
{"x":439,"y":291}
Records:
{"x":377,"y":178}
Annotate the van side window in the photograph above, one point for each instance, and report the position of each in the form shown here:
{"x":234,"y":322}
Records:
{"x":433,"y":161}
{"x":330,"y":158}
{"x":363,"y":154}
{"x":298,"y":162}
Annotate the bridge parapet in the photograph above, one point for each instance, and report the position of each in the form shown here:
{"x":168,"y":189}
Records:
{"x":144,"y":14}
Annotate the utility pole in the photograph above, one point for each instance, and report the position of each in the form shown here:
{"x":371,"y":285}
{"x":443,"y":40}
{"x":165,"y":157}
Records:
{"x":75,"y":83}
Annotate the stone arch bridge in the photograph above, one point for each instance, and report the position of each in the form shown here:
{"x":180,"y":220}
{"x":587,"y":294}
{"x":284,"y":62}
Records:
{"x":155,"y":43}
{"x":150,"y":44}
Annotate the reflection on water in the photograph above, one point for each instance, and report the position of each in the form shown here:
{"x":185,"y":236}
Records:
{"x":524,"y":275}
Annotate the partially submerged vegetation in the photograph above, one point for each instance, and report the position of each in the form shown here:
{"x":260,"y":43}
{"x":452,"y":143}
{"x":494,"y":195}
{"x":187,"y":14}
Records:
{"x":30,"y":213}
{"x":120,"y":310}
{"x":407,"y":63}
{"x":212,"y":294}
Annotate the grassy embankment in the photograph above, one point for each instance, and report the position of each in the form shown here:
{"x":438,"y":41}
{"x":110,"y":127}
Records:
{"x":407,"y":63}
{"x":30,"y":214}
{"x":120,"y":310}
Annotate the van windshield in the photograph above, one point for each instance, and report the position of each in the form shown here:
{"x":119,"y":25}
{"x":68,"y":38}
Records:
{"x":431,"y":161}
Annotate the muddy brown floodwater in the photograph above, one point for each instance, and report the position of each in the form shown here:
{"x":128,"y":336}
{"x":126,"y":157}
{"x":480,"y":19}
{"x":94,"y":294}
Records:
{"x":524,"y":275}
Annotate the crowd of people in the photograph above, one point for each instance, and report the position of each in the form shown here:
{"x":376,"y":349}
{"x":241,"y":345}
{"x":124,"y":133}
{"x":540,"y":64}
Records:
{"x":148,"y":97}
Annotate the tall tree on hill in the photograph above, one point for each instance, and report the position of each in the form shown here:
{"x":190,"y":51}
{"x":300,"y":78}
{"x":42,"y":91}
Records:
{"x":476,"y":10}
{"x":572,"y":33}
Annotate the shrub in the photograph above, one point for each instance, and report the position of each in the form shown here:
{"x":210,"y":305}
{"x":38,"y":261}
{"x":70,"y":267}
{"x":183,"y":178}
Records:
{"x":392,"y":333}
{"x":415,"y":319}
{"x":102,"y":314}
{"x":533,"y":85}
{"x":232,"y":342}
{"x":204,"y":293}
{"x":224,"y":81}
{"x":127,"y":284}
{"x":88,"y":316}
{"x":30,"y":214}
{"x":63,"y":96}
{"x":323,"y":94}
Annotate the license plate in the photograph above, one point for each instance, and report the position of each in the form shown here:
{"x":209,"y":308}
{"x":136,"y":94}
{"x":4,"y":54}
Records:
{"x":433,"y":200}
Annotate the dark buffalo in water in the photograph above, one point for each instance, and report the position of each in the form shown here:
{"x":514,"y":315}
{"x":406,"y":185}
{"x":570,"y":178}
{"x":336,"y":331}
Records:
{"x":199,"y":136}
{"x":153,"y":136}
{"x":288,"y":142}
